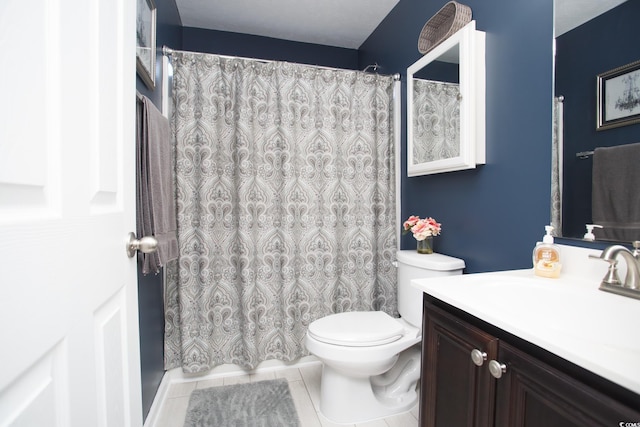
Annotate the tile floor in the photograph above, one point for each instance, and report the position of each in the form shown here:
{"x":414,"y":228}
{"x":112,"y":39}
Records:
{"x":304,"y":383}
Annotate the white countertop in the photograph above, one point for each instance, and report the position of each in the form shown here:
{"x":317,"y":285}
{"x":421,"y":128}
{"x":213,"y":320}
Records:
{"x":569,"y":316}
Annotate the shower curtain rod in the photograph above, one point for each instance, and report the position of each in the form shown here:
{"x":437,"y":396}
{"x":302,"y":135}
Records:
{"x":375,"y":67}
{"x":167,"y":51}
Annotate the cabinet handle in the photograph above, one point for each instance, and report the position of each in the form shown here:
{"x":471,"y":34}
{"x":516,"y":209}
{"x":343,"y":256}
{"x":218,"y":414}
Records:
{"x":478,"y":357}
{"x":497,"y":369}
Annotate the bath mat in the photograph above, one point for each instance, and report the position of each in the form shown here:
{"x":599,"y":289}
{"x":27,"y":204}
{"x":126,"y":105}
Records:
{"x":261,"y":404}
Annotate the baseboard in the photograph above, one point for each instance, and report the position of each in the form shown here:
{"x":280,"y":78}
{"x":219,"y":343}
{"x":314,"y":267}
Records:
{"x":158,"y":401}
{"x":178,"y":376}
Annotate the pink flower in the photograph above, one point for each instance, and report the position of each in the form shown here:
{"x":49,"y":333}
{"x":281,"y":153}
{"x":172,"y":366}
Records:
{"x":434,"y":226}
{"x":410,"y":222}
{"x":422,"y":228}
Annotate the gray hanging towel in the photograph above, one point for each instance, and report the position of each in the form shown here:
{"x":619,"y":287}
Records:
{"x":155,"y":198}
{"x":615,"y":199}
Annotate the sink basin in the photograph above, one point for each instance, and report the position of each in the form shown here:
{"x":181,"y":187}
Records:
{"x":571,"y":307}
{"x":513,"y":294}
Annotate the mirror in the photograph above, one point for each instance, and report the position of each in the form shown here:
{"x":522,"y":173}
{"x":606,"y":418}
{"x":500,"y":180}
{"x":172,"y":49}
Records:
{"x":593,"y":37}
{"x":445,"y":106}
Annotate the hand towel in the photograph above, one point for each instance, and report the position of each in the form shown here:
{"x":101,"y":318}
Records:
{"x":615,"y":201}
{"x":155,"y":196}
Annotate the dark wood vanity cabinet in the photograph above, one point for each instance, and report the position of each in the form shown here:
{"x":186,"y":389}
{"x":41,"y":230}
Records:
{"x":458,"y":389}
{"x":455,"y":392}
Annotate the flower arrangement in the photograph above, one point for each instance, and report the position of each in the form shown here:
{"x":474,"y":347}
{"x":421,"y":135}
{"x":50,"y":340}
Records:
{"x":421,"y":228}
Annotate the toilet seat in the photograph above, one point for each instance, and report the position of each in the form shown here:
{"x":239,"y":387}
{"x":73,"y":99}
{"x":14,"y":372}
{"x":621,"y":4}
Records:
{"x":357,"y":329}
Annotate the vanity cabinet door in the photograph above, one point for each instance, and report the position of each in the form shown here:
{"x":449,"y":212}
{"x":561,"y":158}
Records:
{"x":456,"y":391}
{"x":532,"y":394}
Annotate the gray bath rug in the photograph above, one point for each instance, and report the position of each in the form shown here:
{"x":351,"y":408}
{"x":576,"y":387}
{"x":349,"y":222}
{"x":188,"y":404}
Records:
{"x":261,"y":404}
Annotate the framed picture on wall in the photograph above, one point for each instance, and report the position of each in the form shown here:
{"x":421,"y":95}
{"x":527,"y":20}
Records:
{"x":619,"y":97}
{"x":146,"y":42}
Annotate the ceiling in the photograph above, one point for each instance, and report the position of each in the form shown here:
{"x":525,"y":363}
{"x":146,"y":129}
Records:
{"x":341,"y":23}
{"x":572,"y":13}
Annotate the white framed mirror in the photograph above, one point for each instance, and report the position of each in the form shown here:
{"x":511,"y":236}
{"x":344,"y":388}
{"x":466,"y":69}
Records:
{"x":446,"y":105}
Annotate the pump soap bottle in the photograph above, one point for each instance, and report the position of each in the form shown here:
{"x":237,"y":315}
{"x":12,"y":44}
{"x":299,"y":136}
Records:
{"x":589,"y":236}
{"x":546,"y":256}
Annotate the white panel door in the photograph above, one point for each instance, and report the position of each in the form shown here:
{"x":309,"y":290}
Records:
{"x":69,"y":347}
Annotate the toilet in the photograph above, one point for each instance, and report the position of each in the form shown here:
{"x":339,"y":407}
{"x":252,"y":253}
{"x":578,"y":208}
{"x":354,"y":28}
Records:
{"x":371,"y":361}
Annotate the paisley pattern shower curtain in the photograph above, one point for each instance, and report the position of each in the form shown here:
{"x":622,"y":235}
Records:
{"x":286,"y":206}
{"x":436,"y":120}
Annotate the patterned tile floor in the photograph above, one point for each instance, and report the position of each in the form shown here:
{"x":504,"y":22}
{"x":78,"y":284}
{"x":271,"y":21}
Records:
{"x":304,"y":383}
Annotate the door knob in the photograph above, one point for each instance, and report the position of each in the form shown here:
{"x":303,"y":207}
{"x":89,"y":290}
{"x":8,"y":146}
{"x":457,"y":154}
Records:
{"x":147,"y":245}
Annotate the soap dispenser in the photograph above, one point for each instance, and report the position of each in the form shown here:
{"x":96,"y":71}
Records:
{"x":589,"y":234}
{"x":546,"y":256}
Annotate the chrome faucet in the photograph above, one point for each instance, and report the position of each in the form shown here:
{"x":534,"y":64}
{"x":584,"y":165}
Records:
{"x":611,"y":283}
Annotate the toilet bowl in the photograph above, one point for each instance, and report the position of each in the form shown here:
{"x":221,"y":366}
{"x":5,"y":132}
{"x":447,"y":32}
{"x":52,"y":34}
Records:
{"x":371,"y":361}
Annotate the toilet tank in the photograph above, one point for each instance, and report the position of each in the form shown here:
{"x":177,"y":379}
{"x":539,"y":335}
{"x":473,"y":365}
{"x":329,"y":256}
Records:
{"x":412,"y":265}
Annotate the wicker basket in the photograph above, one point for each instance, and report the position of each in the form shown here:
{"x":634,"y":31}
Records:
{"x":442,"y":25}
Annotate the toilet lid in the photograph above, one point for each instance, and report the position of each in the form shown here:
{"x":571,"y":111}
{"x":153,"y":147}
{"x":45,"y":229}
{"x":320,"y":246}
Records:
{"x":357,"y":329}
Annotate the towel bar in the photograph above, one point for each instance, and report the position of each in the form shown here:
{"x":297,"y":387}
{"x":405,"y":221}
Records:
{"x":584,"y":154}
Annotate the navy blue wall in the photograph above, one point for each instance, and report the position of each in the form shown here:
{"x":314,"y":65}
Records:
{"x":600,"y":45}
{"x":226,"y":43}
{"x":150,"y":299}
{"x":493,"y":215}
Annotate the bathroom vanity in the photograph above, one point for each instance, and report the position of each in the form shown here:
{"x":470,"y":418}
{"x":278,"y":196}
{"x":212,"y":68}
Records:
{"x":511,"y":349}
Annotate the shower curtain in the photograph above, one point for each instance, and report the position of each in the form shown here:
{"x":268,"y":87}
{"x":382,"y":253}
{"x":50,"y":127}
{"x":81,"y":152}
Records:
{"x":436,"y":122}
{"x":285,"y":177}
